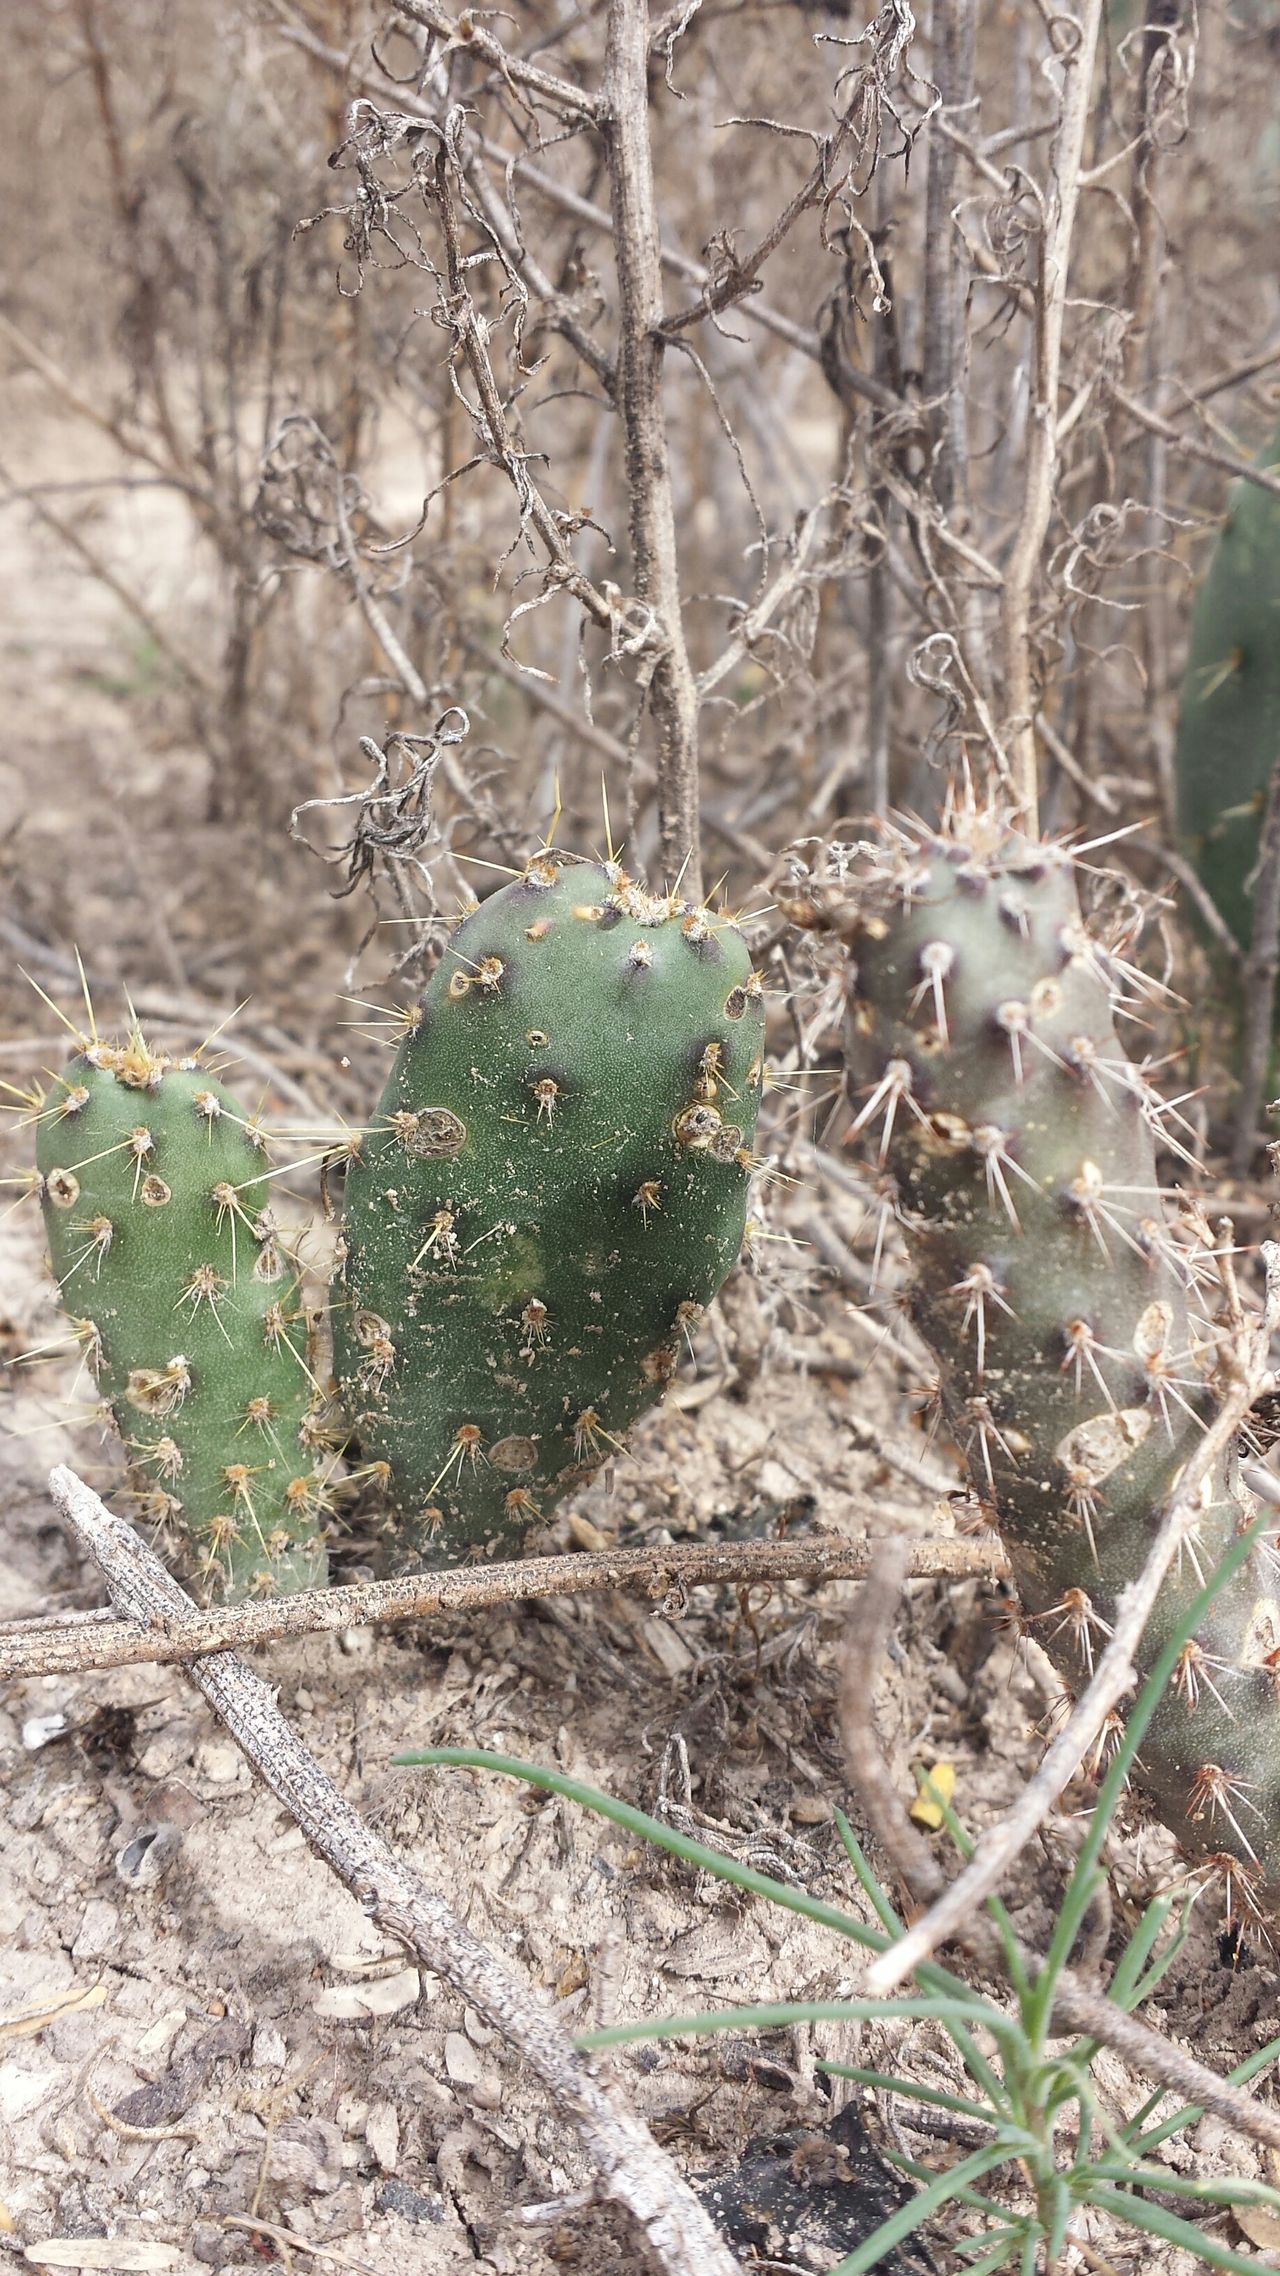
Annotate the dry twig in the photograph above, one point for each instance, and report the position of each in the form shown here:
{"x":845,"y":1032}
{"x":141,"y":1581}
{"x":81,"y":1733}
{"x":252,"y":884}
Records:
{"x":674,"y":695}
{"x":1077,"y":40}
{"x":71,"y":1643}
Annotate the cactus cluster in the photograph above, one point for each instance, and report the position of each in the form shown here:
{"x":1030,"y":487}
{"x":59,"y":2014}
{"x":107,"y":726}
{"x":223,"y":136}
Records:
{"x":1017,"y":1145}
{"x":550,"y":1193}
{"x":184,"y":1293}
{"x":1229,"y":721}
{"x":553,"y":1189}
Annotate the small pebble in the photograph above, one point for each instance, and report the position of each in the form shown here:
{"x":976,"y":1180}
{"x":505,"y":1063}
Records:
{"x":461,"y":2061}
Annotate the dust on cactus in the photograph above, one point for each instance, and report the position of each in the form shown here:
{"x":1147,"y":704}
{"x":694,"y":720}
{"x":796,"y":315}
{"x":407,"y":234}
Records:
{"x":1229,"y":721}
{"x":1017,"y":1144}
{"x":181,"y":1289}
{"x":552,"y":1190}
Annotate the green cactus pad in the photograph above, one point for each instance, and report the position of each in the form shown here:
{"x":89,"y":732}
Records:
{"x":552,"y":1191}
{"x":170,"y":1265}
{"x":1229,"y":721}
{"x":1017,"y":1143}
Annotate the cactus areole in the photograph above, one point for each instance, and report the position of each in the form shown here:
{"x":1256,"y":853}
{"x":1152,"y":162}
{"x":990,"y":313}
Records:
{"x":184,"y":1295}
{"x":1017,"y":1146}
{"x":551,"y":1192}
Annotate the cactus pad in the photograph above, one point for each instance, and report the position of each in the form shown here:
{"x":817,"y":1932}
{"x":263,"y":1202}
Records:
{"x":1018,"y":1147}
{"x":551,"y":1192}
{"x":1229,"y":722}
{"x":172,"y":1268}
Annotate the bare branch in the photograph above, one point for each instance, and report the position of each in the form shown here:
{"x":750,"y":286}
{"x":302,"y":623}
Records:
{"x":567,"y":199}
{"x":800,"y":570}
{"x":944,"y":341}
{"x":466,"y":34}
{"x":559,"y":308}
{"x":1077,"y":38}
{"x":72,"y":1642}
{"x":740,"y":275}
{"x":1189,"y":446}
{"x":674,"y":696}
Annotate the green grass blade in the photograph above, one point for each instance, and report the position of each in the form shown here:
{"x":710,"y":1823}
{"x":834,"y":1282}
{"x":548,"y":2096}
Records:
{"x":714,"y":1861}
{"x":992,"y":2256}
{"x":1224,"y":2189}
{"x":1157,"y":2222}
{"x":983,"y":2073}
{"x":1140,"y":2142}
{"x":774,"y":2015}
{"x":931,"y":1976}
{"x":1164,"y":1960}
{"x":918,"y":2171}
{"x":709,"y":1860}
{"x":910,"y":2217}
{"x":934,"y":2096}
{"x":995,"y":1906}
{"x":867,"y":1879}
{"x":1132,"y":1981}
{"x":639,"y":1822}
{"x":1132,"y":2128}
{"x":1127,"y":1973}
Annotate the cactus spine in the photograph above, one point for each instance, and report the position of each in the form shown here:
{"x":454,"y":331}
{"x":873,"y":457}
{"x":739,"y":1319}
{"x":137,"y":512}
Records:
{"x":177,"y":1280}
{"x":552,"y":1190}
{"x":1229,"y":722}
{"x":1075,"y":1368}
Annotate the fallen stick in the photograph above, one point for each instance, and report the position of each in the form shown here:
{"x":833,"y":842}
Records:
{"x":76,"y":1641}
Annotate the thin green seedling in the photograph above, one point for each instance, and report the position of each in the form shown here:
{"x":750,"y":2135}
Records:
{"x":1054,"y":2148}
{"x":1141,"y":2138}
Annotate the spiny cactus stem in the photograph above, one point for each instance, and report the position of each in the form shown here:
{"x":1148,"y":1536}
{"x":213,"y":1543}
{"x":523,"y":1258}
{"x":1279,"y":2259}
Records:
{"x":1076,"y":2006}
{"x":553,"y":1187}
{"x":1249,"y":1378}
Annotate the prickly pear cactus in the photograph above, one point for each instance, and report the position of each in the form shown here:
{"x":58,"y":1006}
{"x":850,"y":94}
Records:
{"x":552,"y":1190}
{"x":1229,"y":722}
{"x":178,"y":1283}
{"x":1017,"y":1145}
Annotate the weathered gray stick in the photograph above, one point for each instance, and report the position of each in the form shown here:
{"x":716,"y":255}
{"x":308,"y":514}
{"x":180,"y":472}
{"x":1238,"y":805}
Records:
{"x":624,"y":121}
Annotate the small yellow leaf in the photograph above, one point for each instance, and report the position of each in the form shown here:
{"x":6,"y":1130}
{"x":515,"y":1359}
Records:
{"x":936,"y":1787}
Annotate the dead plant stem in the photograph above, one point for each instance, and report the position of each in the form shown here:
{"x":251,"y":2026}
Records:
{"x":944,"y":341}
{"x":651,"y":506}
{"x":74,"y":1642}
{"x":1023,"y":568}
